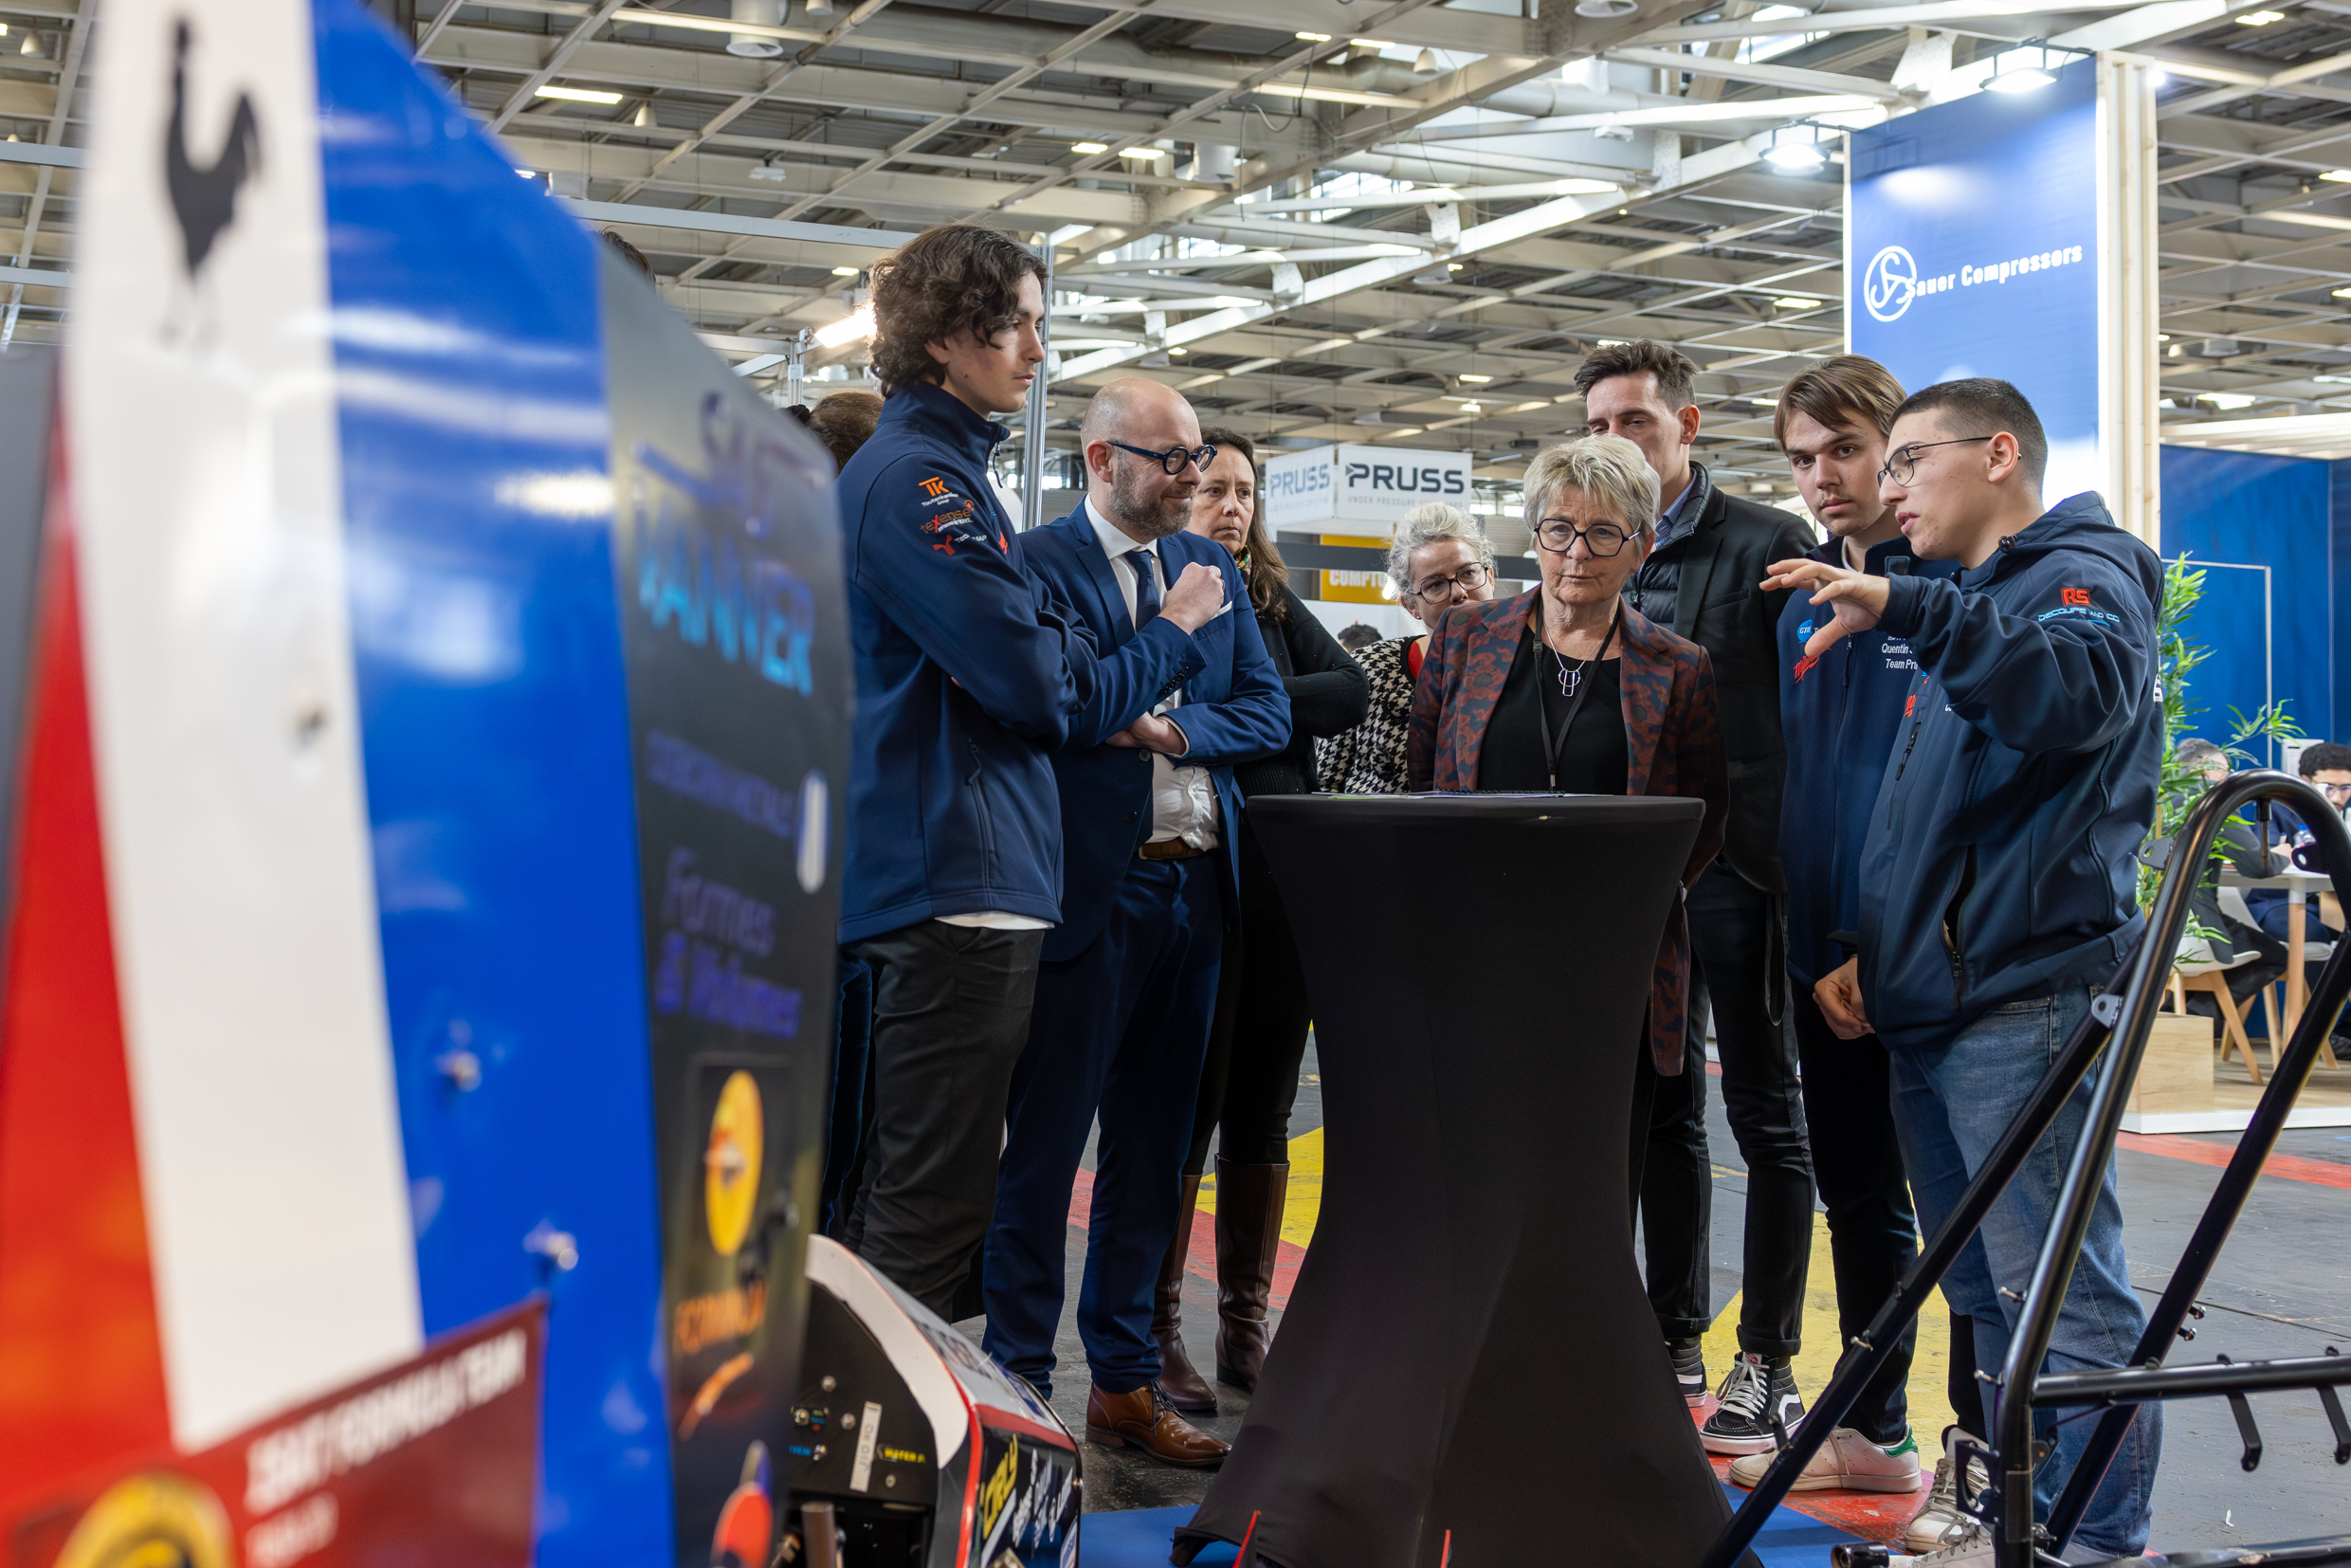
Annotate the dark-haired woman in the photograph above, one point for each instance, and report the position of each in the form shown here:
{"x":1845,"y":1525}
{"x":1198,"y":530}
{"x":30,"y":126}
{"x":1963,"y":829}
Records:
{"x":1259,"y":1034}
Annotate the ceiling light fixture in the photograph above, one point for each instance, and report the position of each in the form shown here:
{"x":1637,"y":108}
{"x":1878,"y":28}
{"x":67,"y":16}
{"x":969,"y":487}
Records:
{"x":1798,"y":153}
{"x":1425,"y":63}
{"x":2340,"y":176}
{"x":769,"y":172}
{"x":1146,"y":153}
{"x":1369,"y":44}
{"x":576,"y":95}
{"x":1178,"y":349}
{"x":756,"y":13}
{"x":846,"y":330}
{"x":1312,"y":37}
{"x":2025,"y":70}
{"x":1795,"y":302}
{"x":1088,"y":148}
{"x":2260,"y":18}
{"x":1473,"y":375}
{"x":845,"y":272}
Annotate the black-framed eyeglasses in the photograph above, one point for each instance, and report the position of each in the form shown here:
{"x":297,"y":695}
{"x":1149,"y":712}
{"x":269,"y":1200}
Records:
{"x":1902,"y":466}
{"x":1601,"y":539}
{"x":1468,"y":579}
{"x":1173,"y":459}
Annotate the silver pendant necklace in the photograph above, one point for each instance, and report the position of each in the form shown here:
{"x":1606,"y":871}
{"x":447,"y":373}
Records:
{"x":1570,"y":679}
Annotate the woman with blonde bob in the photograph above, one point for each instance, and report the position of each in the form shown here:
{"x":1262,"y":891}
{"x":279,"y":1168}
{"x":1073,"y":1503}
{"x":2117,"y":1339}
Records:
{"x":1568,"y":689}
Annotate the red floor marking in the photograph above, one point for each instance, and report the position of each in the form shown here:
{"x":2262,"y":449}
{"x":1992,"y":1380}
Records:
{"x":1872,"y":1516}
{"x":1200,"y":1261}
{"x":2317,"y":1173}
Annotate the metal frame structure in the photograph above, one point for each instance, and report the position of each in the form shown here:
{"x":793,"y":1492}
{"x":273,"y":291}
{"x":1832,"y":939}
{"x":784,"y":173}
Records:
{"x":2112,"y":1039}
{"x":1386,"y":222}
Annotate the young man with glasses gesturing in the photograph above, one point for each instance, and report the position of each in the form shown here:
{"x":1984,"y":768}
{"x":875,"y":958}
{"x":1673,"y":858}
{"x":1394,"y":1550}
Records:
{"x":1840,"y":711}
{"x":1997,"y":877}
{"x":1150,"y":819}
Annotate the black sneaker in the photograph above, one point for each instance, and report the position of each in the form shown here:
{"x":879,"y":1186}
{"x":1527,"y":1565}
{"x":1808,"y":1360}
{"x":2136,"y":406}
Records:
{"x":1690,"y":1370}
{"x":1753,"y":1390}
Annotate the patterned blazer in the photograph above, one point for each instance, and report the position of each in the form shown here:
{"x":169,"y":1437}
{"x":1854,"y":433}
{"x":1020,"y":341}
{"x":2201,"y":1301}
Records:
{"x":1673,"y":733}
{"x":1368,"y":758}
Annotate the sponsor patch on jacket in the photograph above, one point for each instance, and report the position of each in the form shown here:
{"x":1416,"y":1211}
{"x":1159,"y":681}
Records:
{"x":1804,"y":666}
{"x":949,"y":529}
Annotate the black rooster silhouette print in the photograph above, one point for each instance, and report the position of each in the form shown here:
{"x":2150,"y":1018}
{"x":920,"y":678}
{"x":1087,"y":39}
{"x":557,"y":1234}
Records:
{"x":205,"y":199}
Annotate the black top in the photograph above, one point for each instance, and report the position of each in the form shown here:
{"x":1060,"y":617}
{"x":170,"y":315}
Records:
{"x":1592,"y":759}
{"x":1707,"y":586}
{"x":1328,"y":695}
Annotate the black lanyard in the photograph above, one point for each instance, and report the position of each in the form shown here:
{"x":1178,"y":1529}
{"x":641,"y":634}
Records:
{"x":1553,"y":750}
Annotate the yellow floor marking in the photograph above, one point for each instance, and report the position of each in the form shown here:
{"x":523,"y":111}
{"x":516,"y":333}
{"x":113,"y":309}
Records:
{"x":1930,"y":1407}
{"x":1306,"y":1194}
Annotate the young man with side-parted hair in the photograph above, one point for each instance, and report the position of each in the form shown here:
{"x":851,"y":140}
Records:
{"x":968,"y":675}
{"x":1998,"y":877}
{"x":1700,"y":582}
{"x":1839,"y":711}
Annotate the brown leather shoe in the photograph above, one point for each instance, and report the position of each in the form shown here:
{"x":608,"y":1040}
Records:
{"x":1178,"y":1380}
{"x":1250,"y":1200}
{"x":1142,"y":1418}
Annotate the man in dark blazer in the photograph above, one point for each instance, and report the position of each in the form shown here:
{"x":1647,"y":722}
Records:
{"x":1699,"y":580}
{"x":1150,"y":820}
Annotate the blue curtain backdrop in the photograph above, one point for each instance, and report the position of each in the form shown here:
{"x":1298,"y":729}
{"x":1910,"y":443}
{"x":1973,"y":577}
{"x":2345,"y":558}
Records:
{"x":2274,"y":512}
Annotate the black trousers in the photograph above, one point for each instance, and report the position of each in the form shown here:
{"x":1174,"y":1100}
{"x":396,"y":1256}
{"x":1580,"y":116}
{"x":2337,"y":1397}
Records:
{"x":1258,"y":1038}
{"x":949,"y":1017}
{"x":1872,"y":1229}
{"x":1737,"y":953}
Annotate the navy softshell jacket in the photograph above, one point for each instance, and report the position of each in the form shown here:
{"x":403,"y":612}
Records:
{"x":1999,"y":862}
{"x":969,"y":673}
{"x":1840,"y":713}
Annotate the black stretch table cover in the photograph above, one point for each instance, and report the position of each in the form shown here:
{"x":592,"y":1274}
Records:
{"x":1467,"y":1348}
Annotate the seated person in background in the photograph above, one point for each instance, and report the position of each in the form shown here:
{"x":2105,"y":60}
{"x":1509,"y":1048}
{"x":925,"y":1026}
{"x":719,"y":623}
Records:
{"x":2328,"y":766}
{"x":1355,"y":638}
{"x":2213,"y":936}
{"x":1438,"y":559}
{"x":1566,"y":689}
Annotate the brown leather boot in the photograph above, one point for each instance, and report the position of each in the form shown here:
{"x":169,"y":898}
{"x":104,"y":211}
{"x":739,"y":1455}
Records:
{"x":1142,"y":1418}
{"x":1178,"y":1380}
{"x":1249,"y":1200}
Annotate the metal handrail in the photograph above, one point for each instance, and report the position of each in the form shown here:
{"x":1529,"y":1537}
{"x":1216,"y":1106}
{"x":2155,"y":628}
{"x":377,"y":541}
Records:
{"x":2129,"y":999}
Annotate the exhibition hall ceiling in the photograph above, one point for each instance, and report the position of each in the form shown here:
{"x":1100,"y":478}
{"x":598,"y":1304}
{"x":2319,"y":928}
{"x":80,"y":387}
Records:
{"x":1383,"y":220}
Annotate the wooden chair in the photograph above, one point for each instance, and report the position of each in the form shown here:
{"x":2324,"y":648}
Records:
{"x":2214,"y":978}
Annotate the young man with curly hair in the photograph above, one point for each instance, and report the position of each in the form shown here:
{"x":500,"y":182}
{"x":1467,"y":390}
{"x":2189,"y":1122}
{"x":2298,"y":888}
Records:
{"x":968,"y":676}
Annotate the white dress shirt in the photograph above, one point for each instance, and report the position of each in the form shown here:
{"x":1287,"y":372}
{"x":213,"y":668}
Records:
{"x":1183,"y":800}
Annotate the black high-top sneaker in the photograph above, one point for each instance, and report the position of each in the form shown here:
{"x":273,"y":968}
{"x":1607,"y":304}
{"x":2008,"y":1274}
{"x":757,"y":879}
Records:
{"x":1755,"y":1389}
{"x":1690,"y":1370}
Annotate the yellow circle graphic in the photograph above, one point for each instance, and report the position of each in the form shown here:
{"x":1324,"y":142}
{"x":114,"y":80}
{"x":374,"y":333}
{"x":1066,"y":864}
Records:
{"x":153,"y":1520}
{"x":731,"y":1164}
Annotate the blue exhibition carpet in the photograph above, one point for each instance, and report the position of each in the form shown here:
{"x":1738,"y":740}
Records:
{"x":1138,"y":1538}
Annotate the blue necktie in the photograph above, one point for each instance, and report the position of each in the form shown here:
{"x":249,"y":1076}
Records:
{"x":1146,"y":585}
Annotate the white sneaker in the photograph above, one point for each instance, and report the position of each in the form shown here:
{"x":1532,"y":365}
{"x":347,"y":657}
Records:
{"x":1973,"y":1552}
{"x":1849,"y":1462}
{"x":1943,"y":1522}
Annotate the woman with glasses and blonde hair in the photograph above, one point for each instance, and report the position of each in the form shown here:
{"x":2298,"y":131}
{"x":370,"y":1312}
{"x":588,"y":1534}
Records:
{"x":1438,"y":559}
{"x":1568,"y":689}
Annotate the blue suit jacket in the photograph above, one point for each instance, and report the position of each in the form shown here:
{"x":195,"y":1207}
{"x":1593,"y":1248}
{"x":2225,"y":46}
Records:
{"x":1233,"y":709}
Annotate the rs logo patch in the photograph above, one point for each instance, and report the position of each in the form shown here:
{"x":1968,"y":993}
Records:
{"x":2074,"y":595}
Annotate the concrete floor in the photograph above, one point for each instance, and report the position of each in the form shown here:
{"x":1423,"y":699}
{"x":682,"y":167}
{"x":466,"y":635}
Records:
{"x":2281,"y":1287}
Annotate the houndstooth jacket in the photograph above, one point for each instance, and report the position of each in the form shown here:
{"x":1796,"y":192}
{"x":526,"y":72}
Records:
{"x":1368,"y":758}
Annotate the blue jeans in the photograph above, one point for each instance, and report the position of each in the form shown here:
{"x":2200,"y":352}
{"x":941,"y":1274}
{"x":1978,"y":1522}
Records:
{"x":1951,"y":1104}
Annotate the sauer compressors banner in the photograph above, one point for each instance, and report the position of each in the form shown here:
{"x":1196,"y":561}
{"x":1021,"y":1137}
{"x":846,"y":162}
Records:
{"x":419,"y":977}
